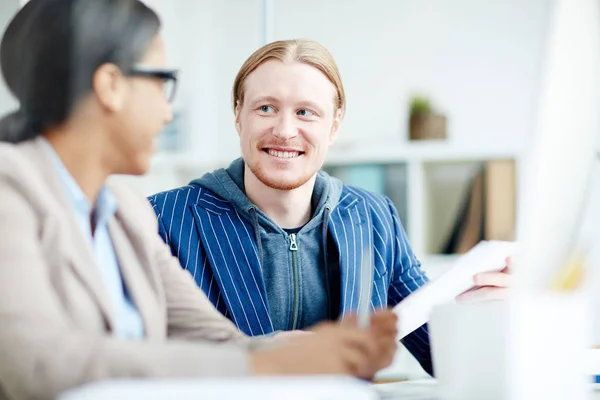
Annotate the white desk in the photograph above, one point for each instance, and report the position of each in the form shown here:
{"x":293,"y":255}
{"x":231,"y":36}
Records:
{"x":291,"y":388}
{"x":267,"y":388}
{"x":425,"y":389}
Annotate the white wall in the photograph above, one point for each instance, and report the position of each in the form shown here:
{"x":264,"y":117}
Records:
{"x":479,"y":61}
{"x":209,"y":41}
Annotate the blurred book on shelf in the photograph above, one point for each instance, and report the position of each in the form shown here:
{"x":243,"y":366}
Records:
{"x":488,"y":210}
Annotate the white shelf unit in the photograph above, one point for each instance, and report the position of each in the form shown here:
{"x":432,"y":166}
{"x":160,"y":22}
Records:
{"x":424,"y":162}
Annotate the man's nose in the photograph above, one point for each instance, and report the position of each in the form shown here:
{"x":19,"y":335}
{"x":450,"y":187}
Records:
{"x":285,"y":128}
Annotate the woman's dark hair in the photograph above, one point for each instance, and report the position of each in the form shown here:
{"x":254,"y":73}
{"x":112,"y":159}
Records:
{"x":52,"y":48}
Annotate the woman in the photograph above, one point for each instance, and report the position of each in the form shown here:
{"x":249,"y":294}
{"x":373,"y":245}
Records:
{"x":88,"y":291}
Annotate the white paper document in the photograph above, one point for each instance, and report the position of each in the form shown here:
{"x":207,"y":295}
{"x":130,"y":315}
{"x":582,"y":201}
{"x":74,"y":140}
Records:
{"x":486,"y":256}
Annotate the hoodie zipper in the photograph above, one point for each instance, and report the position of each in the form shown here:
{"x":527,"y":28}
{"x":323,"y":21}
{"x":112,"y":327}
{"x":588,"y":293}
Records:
{"x":294,"y":251}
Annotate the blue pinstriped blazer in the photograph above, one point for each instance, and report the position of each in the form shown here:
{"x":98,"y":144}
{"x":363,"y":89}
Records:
{"x":217,"y":246}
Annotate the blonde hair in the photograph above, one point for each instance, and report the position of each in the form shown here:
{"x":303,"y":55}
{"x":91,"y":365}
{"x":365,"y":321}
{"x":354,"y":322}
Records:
{"x":304,"y":51}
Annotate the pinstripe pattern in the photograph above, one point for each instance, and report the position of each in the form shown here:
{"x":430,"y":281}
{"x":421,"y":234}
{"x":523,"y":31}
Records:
{"x":218,"y":247}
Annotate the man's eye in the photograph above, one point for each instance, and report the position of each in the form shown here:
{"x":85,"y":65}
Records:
{"x":266,"y":109}
{"x":305,"y":113}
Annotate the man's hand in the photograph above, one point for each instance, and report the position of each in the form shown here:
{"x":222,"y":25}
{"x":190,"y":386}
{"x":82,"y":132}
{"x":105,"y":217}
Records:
{"x":340,"y":349}
{"x":489,"y":285}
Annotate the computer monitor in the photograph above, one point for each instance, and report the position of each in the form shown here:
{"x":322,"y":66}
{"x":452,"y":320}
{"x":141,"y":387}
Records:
{"x":564,"y":144}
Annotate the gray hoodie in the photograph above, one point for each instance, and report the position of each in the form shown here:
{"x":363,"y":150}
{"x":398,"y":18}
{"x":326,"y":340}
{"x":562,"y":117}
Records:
{"x":300,"y":270}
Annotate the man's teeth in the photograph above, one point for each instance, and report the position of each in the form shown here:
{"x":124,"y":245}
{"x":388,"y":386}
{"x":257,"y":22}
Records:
{"x":284,"y":154}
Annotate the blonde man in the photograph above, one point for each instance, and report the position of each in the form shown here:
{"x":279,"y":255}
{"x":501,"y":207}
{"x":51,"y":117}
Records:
{"x":274,"y":242}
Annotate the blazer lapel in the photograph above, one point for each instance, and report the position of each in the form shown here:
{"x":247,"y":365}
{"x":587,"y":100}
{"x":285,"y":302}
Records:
{"x":84,"y":264}
{"x":232,"y":253}
{"x":77,"y":248}
{"x":350,"y":226}
{"x":136,"y":281}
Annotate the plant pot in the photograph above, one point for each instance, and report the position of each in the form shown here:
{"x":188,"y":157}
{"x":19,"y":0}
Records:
{"x":427,"y":126}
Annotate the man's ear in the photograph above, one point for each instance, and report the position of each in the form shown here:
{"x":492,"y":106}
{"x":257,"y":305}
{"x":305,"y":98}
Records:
{"x":109,"y":87}
{"x":337,"y":123}
{"x":237,"y":117}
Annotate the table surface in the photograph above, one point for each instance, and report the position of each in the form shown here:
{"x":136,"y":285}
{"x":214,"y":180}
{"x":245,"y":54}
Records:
{"x":425,"y":389}
{"x":267,"y":388}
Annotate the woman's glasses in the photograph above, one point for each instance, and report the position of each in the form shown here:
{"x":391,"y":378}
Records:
{"x":168,"y":76}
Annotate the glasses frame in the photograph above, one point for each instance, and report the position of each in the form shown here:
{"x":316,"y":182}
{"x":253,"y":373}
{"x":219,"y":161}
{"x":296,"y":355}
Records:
{"x":165,"y":74}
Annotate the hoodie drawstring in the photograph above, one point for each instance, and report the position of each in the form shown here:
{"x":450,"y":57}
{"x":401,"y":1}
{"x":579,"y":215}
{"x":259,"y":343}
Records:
{"x":326,"y":259}
{"x":252,"y":211}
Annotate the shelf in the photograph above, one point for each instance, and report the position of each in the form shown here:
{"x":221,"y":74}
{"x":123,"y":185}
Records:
{"x":396,"y":151}
{"x":360,"y":152}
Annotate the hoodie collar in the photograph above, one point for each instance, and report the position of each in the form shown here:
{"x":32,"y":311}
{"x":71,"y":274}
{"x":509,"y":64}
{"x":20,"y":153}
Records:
{"x":228,"y":184}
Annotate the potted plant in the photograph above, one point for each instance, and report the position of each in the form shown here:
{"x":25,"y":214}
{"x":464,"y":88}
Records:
{"x":424,"y":122}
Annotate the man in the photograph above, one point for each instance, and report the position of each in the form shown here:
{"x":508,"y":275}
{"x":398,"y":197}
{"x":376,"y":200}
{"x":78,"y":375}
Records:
{"x":275,"y":243}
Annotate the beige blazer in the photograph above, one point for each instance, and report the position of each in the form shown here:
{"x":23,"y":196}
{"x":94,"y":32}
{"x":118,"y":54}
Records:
{"x":56,"y":319}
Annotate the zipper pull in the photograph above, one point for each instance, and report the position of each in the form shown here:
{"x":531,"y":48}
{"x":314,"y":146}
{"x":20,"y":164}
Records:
{"x":293,"y":244}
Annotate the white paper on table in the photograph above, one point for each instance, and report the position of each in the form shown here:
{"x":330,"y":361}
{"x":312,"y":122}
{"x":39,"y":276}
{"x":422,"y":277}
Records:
{"x":486,"y":256}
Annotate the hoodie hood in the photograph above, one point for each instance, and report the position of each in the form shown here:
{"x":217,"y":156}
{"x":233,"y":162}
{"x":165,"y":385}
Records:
{"x":228,"y":184}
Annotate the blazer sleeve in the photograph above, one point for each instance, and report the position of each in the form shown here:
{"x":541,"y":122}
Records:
{"x":43,"y":353}
{"x":407,"y":276}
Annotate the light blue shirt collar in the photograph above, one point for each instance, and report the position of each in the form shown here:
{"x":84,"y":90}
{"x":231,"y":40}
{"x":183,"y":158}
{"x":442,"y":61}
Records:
{"x":106,"y":205}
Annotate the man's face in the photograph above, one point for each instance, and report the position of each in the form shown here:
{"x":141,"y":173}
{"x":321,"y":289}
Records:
{"x":286,"y":123}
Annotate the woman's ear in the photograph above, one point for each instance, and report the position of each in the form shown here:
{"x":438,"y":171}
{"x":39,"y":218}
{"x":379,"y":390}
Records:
{"x":109,"y":87}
